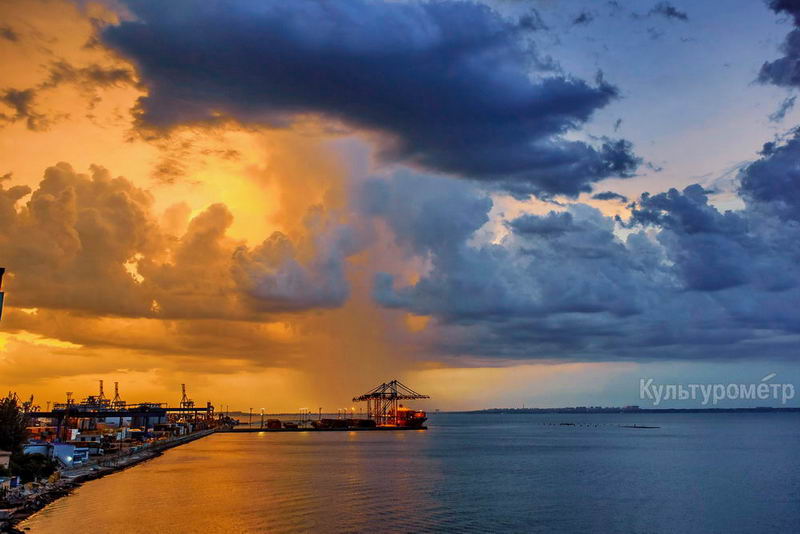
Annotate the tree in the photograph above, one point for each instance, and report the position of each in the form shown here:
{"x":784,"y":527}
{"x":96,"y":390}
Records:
{"x":13,"y":424}
{"x":31,"y":467}
{"x":13,"y":433}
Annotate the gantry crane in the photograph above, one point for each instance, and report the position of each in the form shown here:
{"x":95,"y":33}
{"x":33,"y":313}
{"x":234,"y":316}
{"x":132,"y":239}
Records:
{"x":186,"y":402}
{"x":383,"y":401}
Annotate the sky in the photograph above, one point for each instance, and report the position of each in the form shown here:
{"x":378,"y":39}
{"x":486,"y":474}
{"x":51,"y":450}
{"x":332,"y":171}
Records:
{"x":499,"y":202}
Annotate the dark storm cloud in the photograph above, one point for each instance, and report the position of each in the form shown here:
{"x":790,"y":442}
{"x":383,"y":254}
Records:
{"x":788,"y":7}
{"x":785,"y":71}
{"x":610,"y":195}
{"x":711,"y":251}
{"x":689,"y":281}
{"x":774,"y":180}
{"x":552,"y":224}
{"x":456,"y":88}
{"x":532,"y":274}
{"x":559,"y":282}
{"x":667,"y":10}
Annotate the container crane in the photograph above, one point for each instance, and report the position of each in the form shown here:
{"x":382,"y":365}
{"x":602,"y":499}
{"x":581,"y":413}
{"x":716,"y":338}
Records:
{"x":383,"y":405}
{"x":186,"y":402}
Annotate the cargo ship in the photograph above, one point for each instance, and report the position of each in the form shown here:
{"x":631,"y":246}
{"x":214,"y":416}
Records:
{"x":402,"y":418}
{"x":409,"y":417}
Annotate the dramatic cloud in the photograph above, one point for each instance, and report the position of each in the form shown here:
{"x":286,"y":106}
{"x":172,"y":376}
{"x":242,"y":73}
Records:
{"x":774,"y":180}
{"x":275,"y":280}
{"x":455,"y":87}
{"x":93,"y":244}
{"x":688,"y":281}
{"x":543,"y":267}
{"x":709,"y":250}
{"x":382,"y":139}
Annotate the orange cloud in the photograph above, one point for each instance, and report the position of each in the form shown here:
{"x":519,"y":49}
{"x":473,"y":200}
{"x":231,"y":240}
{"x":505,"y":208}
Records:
{"x":218,"y":256}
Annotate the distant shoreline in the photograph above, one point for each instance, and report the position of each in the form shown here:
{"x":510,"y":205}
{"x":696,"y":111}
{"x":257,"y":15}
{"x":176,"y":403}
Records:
{"x":598,"y":410}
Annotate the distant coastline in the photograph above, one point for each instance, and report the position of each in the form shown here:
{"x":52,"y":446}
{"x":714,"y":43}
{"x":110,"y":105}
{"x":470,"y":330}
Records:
{"x":626,"y":410}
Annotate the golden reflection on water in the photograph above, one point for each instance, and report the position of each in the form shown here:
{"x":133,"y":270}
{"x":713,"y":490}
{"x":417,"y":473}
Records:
{"x":281,"y":482}
{"x":733,"y":473}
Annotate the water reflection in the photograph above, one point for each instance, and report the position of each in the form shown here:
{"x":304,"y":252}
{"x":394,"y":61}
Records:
{"x":698,"y":473}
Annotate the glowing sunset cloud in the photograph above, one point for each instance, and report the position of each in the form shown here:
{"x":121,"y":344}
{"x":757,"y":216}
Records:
{"x":291,"y":201}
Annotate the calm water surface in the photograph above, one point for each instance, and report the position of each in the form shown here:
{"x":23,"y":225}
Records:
{"x":467,"y":473}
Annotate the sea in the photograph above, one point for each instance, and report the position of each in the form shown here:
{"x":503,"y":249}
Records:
{"x":718,"y":473}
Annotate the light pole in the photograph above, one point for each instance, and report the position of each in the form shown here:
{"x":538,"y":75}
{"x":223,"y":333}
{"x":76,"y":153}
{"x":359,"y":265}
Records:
{"x":262,"y":418}
{"x":250,"y":418}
